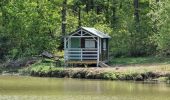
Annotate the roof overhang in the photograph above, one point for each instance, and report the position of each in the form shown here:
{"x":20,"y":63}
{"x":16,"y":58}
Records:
{"x":93,"y":31}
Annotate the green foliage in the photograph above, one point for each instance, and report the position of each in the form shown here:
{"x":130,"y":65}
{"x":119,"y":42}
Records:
{"x":41,"y":69}
{"x":109,"y":76}
{"x":160,"y":19}
{"x":29,"y":27}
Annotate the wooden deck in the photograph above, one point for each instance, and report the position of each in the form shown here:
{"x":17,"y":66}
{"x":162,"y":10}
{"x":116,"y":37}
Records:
{"x":82,"y":62}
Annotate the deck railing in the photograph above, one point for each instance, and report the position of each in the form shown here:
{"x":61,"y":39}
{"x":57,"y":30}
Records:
{"x":81,"y":54}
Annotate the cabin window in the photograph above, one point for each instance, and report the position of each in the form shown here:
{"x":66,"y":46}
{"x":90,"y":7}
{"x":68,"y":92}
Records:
{"x":89,"y":43}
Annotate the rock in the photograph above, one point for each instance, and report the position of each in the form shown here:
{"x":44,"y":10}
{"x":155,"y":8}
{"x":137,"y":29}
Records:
{"x":117,"y":68}
{"x":22,"y":62}
{"x":47,"y":54}
{"x":15,"y":63}
{"x":30,"y":62}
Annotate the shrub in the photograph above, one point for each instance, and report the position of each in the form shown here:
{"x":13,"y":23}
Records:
{"x":121,"y":76}
{"x":109,"y":76}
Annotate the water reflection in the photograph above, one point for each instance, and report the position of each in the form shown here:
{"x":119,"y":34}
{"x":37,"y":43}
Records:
{"x":55,"y":89}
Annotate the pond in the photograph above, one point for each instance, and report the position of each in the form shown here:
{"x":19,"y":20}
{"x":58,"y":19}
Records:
{"x":32,"y":88}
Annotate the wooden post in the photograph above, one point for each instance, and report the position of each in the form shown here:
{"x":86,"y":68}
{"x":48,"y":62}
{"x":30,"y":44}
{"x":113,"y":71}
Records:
{"x":108,"y":50}
{"x":69,"y":43}
{"x":100,"y":46}
{"x":81,"y":54}
{"x":98,"y":42}
{"x":65,"y":54}
{"x":81,"y":32}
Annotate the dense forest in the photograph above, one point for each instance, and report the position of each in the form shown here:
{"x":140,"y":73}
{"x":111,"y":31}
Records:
{"x":137,"y":27}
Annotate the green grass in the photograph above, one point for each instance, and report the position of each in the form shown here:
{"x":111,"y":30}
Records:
{"x":139,"y":60}
{"x":40,"y":69}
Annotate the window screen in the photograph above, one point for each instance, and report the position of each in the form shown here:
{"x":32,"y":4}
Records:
{"x":89,"y":43}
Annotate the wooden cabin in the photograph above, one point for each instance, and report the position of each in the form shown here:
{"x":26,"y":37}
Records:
{"x":86,"y":46}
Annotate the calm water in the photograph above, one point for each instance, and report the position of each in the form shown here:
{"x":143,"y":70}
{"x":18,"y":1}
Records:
{"x":31,"y":88}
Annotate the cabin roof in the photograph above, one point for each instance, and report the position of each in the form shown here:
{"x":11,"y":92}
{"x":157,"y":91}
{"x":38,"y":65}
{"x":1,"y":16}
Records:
{"x":96,"y":32}
{"x":93,"y":31}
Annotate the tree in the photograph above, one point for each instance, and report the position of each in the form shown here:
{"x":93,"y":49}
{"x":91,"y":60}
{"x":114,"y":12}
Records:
{"x":160,"y":19}
{"x":64,"y":17}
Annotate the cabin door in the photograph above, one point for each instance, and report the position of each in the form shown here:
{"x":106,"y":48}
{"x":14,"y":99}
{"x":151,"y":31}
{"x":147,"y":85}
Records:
{"x":104,"y":49}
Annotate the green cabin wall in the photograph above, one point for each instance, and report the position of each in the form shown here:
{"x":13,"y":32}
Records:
{"x":75,"y":43}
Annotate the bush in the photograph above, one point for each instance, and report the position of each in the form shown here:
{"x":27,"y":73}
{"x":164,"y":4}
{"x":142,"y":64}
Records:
{"x":109,"y":76}
{"x":121,"y":76}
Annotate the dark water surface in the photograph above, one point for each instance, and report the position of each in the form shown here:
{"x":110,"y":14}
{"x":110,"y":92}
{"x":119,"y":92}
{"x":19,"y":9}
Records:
{"x":31,"y":88}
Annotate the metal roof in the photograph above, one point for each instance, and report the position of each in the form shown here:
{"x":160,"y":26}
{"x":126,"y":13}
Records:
{"x":96,"y":32}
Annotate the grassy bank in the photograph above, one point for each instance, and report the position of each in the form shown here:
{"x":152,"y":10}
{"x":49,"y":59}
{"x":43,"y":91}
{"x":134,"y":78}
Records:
{"x":138,"y":69}
{"x":156,"y":73}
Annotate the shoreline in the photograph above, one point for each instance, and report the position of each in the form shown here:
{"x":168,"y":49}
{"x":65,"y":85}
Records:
{"x":130,"y":72}
{"x":122,"y":74}
{"x":84,"y":74}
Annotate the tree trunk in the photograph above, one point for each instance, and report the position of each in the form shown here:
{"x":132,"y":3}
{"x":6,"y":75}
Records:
{"x":4,"y":15}
{"x":87,"y":6}
{"x":136,"y":8}
{"x":63,"y":26}
{"x":113,"y":21}
{"x":79,"y":17}
{"x":134,"y":38}
{"x":157,"y":0}
{"x":107,"y":12}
